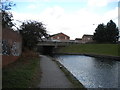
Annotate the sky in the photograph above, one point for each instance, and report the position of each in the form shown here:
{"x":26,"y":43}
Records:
{"x":72,"y":17}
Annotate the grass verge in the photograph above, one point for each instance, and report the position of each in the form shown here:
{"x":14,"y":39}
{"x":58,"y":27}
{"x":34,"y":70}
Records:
{"x":99,"y":49}
{"x":23,"y":73}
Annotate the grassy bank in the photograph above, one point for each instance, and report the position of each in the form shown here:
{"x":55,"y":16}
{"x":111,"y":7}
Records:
{"x":23,"y":73}
{"x":100,"y":49}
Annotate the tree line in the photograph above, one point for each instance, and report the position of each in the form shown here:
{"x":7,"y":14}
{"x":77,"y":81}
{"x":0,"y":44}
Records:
{"x":106,"y":33}
{"x":33,"y":31}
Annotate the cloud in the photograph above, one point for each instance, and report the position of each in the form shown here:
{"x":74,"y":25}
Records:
{"x":24,"y":0}
{"x":74,"y":24}
{"x":110,"y":15}
{"x":23,"y":16}
{"x":32,"y":6}
{"x":99,"y":3}
{"x":89,"y":1}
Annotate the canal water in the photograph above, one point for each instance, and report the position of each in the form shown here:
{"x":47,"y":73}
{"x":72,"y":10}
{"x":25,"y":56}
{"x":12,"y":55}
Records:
{"x":92,"y":72}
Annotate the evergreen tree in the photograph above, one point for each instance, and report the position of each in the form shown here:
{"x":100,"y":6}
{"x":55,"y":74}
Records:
{"x":100,"y":35}
{"x":106,"y":33}
{"x":112,"y":32}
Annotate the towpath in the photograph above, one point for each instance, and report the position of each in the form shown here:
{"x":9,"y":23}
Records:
{"x":52,"y":76}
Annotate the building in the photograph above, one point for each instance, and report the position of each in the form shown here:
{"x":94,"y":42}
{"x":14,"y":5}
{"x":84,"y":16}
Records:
{"x":60,"y":36}
{"x":78,"y":40}
{"x":87,"y":38}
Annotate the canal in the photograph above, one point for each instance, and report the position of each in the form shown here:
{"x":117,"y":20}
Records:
{"x":92,"y":72}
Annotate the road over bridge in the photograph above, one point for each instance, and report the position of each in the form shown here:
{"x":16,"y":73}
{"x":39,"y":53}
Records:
{"x":56,"y":43}
{"x":47,"y":47}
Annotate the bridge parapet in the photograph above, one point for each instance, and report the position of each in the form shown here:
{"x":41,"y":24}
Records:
{"x":56,"y":43}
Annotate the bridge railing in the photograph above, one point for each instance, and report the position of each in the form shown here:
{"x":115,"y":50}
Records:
{"x":57,"y":43}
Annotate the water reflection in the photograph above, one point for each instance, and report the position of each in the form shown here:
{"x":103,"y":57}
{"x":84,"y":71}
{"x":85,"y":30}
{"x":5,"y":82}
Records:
{"x":92,"y":72}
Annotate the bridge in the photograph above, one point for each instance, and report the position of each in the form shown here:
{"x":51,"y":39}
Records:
{"x":50,"y":46}
{"x":56,"y":43}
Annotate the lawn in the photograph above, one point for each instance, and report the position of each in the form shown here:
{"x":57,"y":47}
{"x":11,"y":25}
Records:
{"x":23,"y":73}
{"x":100,"y":49}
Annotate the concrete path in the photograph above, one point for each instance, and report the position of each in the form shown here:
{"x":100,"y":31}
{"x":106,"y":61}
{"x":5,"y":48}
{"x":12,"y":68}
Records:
{"x":52,"y":76}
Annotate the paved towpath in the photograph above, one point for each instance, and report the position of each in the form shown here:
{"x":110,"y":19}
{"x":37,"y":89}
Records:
{"x":52,"y":76}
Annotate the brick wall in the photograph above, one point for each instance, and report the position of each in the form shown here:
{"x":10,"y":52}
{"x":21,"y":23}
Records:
{"x":87,"y":38}
{"x":60,"y":37}
{"x":11,"y":46}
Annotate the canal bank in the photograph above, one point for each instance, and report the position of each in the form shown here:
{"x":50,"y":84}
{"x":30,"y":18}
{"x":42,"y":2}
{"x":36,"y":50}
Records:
{"x":92,"y":55}
{"x":52,"y":76}
{"x":69,"y":75}
{"x":108,"y":51}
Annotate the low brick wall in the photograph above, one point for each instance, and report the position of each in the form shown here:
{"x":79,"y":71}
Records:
{"x":8,"y":59}
{"x":11,"y":46}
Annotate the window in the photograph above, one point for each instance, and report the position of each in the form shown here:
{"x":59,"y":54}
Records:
{"x":51,"y":37}
{"x":58,"y":37}
{"x":88,"y":38}
{"x":65,"y":38}
{"x":62,"y":37}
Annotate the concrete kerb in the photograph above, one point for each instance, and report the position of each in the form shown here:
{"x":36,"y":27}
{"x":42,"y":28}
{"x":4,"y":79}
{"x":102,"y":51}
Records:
{"x":104,"y":56}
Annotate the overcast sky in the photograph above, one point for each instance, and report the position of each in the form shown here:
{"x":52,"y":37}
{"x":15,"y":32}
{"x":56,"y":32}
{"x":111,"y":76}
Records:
{"x":72,"y":17}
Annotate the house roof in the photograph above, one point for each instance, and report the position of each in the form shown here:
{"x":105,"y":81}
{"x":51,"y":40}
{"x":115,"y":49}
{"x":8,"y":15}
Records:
{"x":58,"y":34}
{"x":78,"y":38}
{"x":87,"y":35}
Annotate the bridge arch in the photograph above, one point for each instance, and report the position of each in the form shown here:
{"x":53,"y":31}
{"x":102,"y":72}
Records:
{"x":46,"y":50}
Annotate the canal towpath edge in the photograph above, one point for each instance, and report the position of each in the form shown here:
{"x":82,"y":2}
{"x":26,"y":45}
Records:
{"x":52,"y":76}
